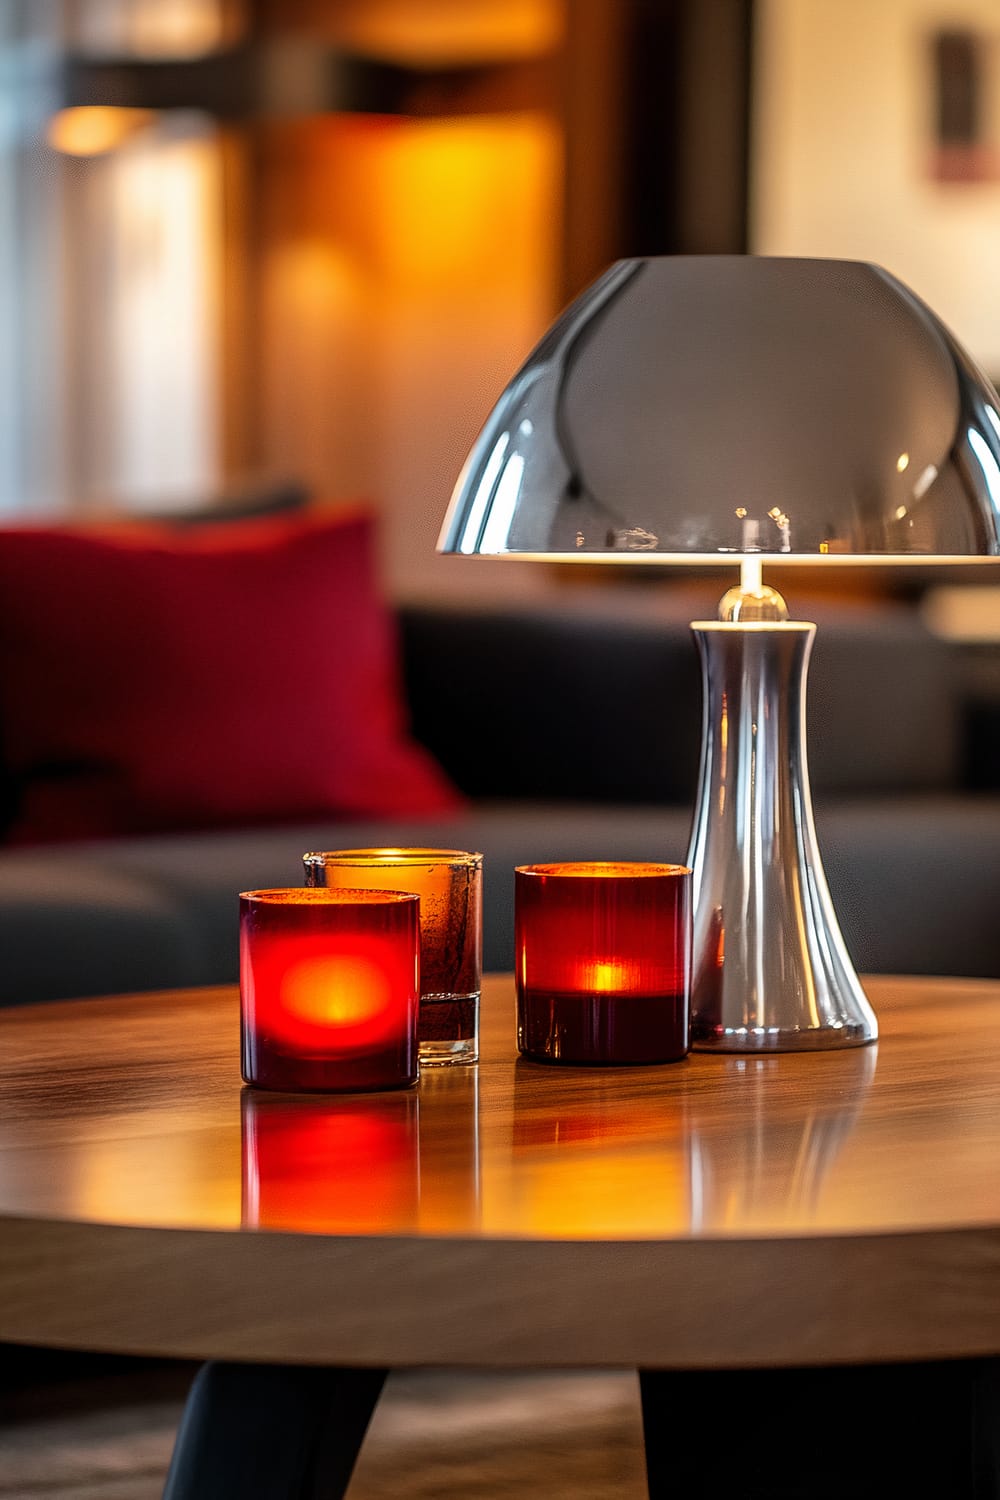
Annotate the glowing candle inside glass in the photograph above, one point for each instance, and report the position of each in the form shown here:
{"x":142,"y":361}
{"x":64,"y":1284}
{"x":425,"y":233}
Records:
{"x":606,"y":977}
{"x":602,"y":962}
{"x":449,"y":884}
{"x":329,"y":989}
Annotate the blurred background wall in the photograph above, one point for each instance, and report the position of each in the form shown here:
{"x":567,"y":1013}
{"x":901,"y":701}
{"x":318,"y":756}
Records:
{"x":246,"y":242}
{"x":876,"y":136}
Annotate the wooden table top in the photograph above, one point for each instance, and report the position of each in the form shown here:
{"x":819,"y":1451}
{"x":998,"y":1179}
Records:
{"x":721,"y":1211}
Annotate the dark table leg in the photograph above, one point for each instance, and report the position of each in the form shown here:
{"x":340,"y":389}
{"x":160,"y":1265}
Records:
{"x":271,"y":1432}
{"x":870,"y":1432}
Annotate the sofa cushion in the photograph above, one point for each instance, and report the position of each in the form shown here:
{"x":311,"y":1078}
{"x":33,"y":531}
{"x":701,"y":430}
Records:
{"x":74,"y":927}
{"x":152,"y":679}
{"x":912,"y":879}
{"x":201,"y":874}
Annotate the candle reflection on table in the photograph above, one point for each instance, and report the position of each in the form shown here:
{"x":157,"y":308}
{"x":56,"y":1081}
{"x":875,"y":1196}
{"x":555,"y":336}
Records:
{"x":599,"y":1162}
{"x":730,"y":1148}
{"x":450,"y":1157}
{"x":364,"y":1164}
{"x":329,"y":1164}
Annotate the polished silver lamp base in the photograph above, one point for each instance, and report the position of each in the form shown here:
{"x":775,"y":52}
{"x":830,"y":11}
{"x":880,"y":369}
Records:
{"x":770,"y":972}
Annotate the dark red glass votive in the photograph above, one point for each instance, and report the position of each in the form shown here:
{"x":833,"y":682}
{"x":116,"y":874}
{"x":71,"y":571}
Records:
{"x":603,"y":962}
{"x":329,"y":989}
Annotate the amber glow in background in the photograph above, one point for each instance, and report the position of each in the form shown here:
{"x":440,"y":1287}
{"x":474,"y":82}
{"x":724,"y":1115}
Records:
{"x":348,"y":323}
{"x":441,"y":31}
{"x":411,"y":264}
{"x":92,"y":129}
{"x":150,"y":28}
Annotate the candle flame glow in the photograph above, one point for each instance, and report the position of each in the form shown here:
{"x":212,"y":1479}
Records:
{"x":606,"y":977}
{"x":336,"y":989}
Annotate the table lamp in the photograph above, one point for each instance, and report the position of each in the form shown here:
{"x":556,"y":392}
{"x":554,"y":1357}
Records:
{"x":754,"y":410}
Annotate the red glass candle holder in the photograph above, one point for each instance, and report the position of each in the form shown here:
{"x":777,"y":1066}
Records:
{"x":603,"y":962}
{"x":329,"y":989}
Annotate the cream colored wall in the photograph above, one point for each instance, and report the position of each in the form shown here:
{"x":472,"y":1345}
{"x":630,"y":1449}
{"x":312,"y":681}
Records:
{"x":841,"y":140}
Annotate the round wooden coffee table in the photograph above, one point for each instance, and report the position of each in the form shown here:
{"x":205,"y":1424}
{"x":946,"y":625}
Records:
{"x":509,"y":1213}
{"x":721,"y":1213}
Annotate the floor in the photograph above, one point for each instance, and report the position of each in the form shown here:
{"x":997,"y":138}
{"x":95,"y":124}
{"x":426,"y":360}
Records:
{"x":447,"y":1435}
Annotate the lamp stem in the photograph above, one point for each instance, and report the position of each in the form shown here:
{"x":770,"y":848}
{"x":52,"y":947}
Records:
{"x":751,"y":573}
{"x":771,"y":971}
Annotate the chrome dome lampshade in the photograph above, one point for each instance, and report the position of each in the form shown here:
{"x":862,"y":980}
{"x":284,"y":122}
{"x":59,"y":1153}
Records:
{"x":761,"y":411}
{"x":699,"y":408}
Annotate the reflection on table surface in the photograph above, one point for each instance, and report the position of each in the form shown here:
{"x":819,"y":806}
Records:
{"x":348,"y":1164}
{"x":132,"y":1111}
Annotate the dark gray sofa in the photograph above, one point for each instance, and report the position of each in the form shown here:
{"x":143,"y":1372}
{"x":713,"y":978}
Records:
{"x":573,"y":728}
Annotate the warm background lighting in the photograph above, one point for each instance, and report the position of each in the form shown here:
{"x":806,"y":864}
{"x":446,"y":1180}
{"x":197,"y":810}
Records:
{"x":93,"y":129}
{"x":154,"y":28}
{"x":177,"y":28}
{"x":439,"y":31}
{"x":404,"y":265}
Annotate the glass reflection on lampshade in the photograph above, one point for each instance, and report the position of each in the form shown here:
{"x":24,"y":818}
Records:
{"x":759,"y":411}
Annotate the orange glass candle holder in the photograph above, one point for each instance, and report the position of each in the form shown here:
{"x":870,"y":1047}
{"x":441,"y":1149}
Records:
{"x":329,"y":989}
{"x":603,"y":962}
{"x":449,"y":884}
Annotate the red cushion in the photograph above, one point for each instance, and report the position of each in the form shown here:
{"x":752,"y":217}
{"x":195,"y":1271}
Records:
{"x":240,"y":674}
